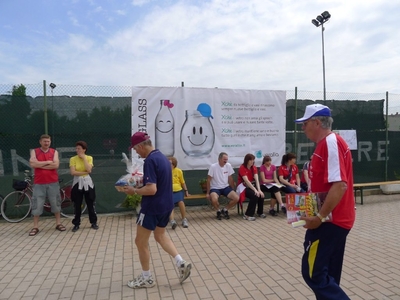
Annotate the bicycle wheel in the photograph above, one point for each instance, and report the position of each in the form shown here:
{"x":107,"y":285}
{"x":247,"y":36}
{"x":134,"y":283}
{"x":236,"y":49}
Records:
{"x":16,"y":206}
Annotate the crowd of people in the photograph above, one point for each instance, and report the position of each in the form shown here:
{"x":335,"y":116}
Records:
{"x":329,"y":171}
{"x":253,"y":184}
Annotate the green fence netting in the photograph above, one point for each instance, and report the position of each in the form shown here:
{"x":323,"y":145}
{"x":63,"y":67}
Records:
{"x":102,"y":117}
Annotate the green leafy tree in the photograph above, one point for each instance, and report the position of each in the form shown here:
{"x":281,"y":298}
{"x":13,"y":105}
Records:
{"x":15,"y":111}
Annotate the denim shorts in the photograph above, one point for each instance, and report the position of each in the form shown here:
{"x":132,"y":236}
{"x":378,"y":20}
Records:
{"x":150,"y":222}
{"x":178,"y":196}
{"x":43,"y":192}
{"x":225,"y":192}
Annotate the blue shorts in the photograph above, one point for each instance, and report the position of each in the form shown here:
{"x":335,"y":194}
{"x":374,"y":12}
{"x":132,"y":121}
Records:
{"x":178,"y":196}
{"x":225,"y":192}
{"x":150,"y":222}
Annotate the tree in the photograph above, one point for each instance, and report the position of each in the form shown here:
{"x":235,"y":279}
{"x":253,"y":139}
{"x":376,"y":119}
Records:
{"x":15,"y":111}
{"x":19,"y":90}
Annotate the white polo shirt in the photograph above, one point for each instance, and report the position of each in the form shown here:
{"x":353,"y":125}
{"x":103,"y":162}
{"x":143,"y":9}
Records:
{"x":220,"y":175}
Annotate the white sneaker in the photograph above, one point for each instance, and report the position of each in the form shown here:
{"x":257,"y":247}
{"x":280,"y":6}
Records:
{"x":184,"y":270}
{"x":173,"y":224}
{"x":140,"y":282}
{"x":185,"y":223}
{"x":249,"y":218}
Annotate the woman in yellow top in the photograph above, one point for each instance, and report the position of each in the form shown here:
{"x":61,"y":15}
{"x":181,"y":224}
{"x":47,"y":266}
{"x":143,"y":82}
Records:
{"x":179,"y":190}
{"x":80,"y":167}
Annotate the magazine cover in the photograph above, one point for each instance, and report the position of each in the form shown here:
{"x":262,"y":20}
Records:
{"x":304,"y":204}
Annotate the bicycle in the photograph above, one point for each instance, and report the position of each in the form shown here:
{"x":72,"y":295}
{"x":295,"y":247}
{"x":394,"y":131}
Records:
{"x":1,"y":199}
{"x":17,"y":205}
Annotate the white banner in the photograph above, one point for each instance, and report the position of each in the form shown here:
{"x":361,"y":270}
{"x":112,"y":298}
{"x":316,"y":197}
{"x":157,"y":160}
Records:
{"x":196,"y":124}
{"x":350,"y":136}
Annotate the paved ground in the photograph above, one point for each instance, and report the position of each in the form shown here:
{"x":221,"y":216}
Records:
{"x":233,"y":259}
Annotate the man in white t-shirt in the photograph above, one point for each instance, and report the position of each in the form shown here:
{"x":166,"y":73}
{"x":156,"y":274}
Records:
{"x":220,"y":182}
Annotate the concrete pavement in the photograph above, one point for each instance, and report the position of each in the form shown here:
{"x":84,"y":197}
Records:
{"x":233,"y":259}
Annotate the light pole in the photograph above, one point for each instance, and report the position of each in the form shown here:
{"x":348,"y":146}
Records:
{"x":53,"y":86}
{"x":319,"y":21}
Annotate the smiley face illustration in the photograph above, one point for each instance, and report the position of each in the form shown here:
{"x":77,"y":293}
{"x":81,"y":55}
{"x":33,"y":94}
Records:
{"x":197,"y":133}
{"x":165,"y":120}
{"x":198,"y":136}
{"x":164,"y":129}
{"x":164,"y":126}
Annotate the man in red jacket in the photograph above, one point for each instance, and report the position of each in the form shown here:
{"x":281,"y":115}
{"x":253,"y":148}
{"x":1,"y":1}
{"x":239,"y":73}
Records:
{"x":331,"y":173}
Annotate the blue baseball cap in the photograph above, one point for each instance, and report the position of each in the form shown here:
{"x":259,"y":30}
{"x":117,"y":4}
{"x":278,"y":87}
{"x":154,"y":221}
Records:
{"x":205,"y":110}
{"x":315,"y":110}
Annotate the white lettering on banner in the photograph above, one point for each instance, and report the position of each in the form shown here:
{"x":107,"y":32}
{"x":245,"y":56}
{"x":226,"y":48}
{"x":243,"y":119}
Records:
{"x":15,"y":159}
{"x":381,"y":157}
{"x":363,"y":154}
{"x":142,"y":117}
{"x":302,"y":153}
{"x":364,"y":147}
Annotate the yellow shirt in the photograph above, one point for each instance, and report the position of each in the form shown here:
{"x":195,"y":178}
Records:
{"x":84,"y":181}
{"x":78,"y":163}
{"x":177,"y":179}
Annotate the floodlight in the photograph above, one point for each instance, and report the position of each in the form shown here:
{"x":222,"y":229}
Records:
{"x":315,"y":22}
{"x":319,"y":21}
{"x":326,"y":15}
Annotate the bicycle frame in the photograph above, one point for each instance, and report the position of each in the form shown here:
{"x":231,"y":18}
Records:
{"x":14,"y":206}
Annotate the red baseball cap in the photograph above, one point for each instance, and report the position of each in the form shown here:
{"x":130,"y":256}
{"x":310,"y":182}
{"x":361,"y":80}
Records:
{"x":138,"y":137}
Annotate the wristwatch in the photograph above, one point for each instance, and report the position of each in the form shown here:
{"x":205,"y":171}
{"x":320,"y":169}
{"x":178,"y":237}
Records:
{"x":323,"y":219}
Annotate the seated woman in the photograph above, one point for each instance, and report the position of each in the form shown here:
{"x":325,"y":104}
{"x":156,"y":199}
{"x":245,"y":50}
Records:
{"x":249,"y":187}
{"x":289,"y":174}
{"x":270,"y":183}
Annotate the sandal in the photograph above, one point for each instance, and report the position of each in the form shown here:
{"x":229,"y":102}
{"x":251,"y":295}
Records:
{"x":34,"y":231}
{"x":61,"y":227}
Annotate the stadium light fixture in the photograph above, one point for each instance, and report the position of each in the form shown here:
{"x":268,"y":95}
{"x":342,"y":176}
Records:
{"x":320,"y":20}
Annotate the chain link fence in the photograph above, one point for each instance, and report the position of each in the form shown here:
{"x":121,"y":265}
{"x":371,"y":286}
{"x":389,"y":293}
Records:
{"x":101,"y":115}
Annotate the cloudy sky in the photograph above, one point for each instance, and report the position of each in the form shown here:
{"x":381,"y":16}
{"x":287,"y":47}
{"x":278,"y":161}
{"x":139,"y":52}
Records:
{"x":240,"y":44}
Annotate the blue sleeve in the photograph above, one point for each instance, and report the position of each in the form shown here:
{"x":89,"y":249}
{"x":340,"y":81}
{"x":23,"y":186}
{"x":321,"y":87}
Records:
{"x":149,"y":171}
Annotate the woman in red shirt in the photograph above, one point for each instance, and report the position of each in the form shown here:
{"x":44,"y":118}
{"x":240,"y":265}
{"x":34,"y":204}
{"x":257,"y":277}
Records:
{"x":249,"y":187}
{"x":289,"y":174}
